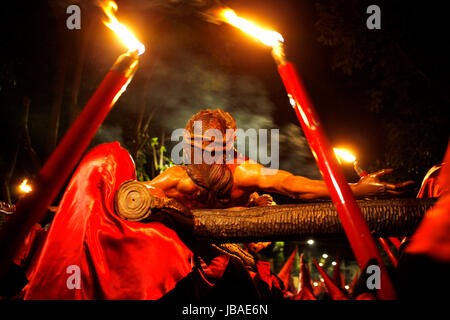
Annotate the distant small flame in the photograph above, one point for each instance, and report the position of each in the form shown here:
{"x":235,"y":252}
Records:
{"x":345,"y":155}
{"x":24,"y":187}
{"x":133,"y":44}
{"x":268,"y":37}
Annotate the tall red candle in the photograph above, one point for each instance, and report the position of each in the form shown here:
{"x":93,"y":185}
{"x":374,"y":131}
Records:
{"x":355,"y":227}
{"x":32,"y":208}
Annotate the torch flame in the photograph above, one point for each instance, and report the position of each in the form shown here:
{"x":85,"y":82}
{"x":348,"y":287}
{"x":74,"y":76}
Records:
{"x":268,"y":37}
{"x":133,"y":44}
{"x":345,"y":155}
{"x":24,"y":187}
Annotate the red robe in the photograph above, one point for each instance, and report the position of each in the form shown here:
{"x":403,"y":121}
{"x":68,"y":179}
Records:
{"x":431,"y":186}
{"x":432,"y":237}
{"x":117,"y":259}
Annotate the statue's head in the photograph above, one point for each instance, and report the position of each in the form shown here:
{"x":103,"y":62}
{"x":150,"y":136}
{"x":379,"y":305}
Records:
{"x":206,"y":133}
{"x":211,"y":130}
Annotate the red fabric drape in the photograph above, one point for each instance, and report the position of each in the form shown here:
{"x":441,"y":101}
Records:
{"x":431,"y":188}
{"x":432,"y":237}
{"x":117,"y":259}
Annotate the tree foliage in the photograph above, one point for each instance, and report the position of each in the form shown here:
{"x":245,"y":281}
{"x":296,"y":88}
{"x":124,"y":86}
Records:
{"x":405,"y":86}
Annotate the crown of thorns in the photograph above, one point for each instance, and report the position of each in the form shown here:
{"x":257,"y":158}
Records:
{"x":214,"y":119}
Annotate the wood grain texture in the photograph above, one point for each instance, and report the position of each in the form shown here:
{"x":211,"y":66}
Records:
{"x":392,"y":217}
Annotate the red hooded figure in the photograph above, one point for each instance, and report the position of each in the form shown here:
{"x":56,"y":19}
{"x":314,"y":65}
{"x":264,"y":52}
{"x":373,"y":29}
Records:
{"x":90,"y":253}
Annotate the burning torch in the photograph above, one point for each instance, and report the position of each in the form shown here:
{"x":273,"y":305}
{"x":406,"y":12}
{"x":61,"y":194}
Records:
{"x":33,"y":207}
{"x":353,"y":222}
{"x":347,"y":156}
{"x":24,"y":187}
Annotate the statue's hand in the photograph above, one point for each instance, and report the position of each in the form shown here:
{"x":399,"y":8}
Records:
{"x":257,"y":200}
{"x":371,"y":185}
